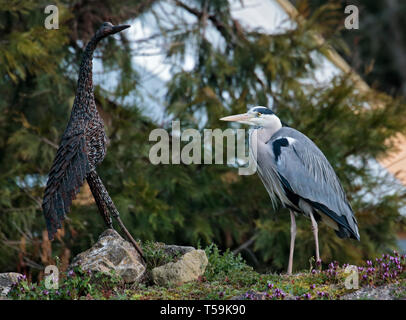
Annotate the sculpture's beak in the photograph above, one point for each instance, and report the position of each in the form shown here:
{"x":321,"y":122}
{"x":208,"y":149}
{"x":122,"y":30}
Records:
{"x":120,"y":27}
{"x":242,"y":118}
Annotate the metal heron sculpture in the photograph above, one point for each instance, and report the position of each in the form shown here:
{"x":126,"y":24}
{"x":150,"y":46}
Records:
{"x":81,"y":150}
{"x":295,"y":171}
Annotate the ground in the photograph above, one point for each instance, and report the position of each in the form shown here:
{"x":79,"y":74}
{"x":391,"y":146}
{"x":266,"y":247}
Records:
{"x":228,"y":277}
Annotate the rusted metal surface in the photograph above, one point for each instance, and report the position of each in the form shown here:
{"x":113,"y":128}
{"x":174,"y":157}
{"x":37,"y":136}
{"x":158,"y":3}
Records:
{"x":81,"y":150}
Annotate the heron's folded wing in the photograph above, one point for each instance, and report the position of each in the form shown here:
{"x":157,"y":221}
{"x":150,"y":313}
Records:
{"x":67,"y":175}
{"x":306,"y":172}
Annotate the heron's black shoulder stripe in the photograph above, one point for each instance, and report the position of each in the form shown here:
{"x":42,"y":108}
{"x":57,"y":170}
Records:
{"x":277,"y":145}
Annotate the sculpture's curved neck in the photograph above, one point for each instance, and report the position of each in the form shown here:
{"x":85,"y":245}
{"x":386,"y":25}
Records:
{"x":84,"y":104}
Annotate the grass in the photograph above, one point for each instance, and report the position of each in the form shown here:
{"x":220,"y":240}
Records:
{"x":226,"y":276}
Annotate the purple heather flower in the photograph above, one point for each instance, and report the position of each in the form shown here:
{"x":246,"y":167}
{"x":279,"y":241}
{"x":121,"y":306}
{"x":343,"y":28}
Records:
{"x":21,"y":277}
{"x":270,"y":285}
{"x":71,"y":273}
{"x":369,"y":262}
{"x":313,"y":271}
{"x":312,"y":286}
{"x":364,"y":277}
{"x":318,"y":263}
{"x":221,"y":294}
{"x":45,"y":292}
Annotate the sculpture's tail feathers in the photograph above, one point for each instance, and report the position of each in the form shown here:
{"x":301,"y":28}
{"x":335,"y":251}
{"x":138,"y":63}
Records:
{"x":67,"y":175}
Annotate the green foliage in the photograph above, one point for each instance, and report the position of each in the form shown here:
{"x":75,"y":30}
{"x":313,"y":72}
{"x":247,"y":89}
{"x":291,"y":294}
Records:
{"x":75,"y":284}
{"x":223,"y":265}
{"x":156,"y":256}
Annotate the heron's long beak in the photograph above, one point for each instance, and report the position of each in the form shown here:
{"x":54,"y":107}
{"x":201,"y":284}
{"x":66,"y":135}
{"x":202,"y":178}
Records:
{"x":243,"y":118}
{"x":120,"y":27}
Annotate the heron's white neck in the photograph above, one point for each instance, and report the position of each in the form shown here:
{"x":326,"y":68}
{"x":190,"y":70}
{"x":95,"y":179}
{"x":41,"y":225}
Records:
{"x":269,"y":124}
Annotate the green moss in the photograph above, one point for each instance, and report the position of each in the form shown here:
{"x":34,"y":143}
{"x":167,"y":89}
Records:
{"x":226,"y":276}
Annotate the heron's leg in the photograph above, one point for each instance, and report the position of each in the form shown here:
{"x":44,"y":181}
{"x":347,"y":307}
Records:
{"x":292,"y":240}
{"x":105,"y":200}
{"x":316,"y":235}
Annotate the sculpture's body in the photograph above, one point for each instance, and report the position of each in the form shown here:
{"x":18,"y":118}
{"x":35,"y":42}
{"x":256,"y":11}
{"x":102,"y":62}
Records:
{"x":82,"y":149}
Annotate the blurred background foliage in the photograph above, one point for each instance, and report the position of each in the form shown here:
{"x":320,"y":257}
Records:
{"x":193,"y":204}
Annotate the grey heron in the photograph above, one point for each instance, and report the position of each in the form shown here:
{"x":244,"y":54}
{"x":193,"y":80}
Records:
{"x":295,"y":171}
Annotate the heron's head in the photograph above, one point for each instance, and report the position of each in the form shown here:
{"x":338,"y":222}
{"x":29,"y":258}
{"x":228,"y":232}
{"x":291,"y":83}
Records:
{"x":257,"y":116}
{"x":107,"y":28}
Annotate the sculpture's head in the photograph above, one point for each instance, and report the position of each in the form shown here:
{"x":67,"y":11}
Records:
{"x":107,"y":28}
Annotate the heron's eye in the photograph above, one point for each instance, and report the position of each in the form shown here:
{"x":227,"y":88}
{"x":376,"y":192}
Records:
{"x":259,"y":114}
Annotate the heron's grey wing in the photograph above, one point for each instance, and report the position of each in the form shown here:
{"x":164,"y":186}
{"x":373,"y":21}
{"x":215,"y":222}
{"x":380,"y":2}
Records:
{"x":306,"y":173}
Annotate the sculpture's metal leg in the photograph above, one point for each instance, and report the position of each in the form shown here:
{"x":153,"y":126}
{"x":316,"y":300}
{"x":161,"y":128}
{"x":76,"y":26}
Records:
{"x":316,"y":236}
{"x":101,"y":205}
{"x":292,"y":241}
{"x":104,"y":201}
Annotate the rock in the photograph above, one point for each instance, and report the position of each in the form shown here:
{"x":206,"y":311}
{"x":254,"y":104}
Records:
{"x":250,"y":295}
{"x":385,"y":292}
{"x":112,"y":252}
{"x":174,"y":250}
{"x":6,"y":280}
{"x":188,"y":268}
